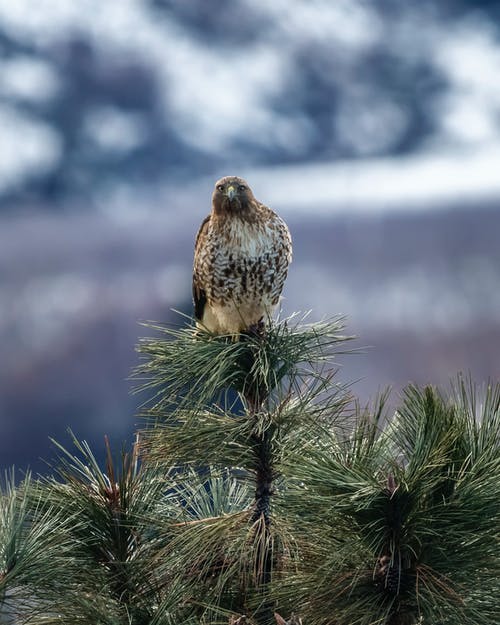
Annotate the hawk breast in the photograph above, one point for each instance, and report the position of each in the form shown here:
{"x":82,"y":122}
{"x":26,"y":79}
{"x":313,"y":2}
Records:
{"x":249,"y":264}
{"x":239,"y":271}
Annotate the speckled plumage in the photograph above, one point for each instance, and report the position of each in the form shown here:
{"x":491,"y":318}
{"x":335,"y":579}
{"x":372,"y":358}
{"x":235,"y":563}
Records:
{"x":241,"y":259}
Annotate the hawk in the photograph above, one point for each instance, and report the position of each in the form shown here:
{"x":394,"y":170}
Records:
{"x":241,"y":259}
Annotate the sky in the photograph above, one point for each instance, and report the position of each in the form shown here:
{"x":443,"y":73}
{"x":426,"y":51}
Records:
{"x":372,"y":128}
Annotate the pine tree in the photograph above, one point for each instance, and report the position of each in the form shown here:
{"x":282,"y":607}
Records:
{"x":234,"y":406}
{"x":258,"y":487}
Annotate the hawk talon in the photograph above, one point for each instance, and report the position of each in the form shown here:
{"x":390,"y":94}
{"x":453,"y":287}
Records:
{"x":257,"y":330}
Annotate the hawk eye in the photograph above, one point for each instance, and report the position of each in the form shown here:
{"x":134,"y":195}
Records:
{"x":241,"y":187}
{"x":220,"y":187}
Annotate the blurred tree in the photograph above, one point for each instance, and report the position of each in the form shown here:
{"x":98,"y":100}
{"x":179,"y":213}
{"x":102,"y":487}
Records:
{"x":372,"y":87}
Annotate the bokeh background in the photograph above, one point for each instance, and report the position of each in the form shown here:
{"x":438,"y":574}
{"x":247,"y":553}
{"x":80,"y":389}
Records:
{"x":373,"y":128}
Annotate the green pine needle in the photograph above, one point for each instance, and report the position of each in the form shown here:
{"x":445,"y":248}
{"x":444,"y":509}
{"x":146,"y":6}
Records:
{"x":259,"y":484}
{"x":410,"y":515}
{"x":192,"y":368}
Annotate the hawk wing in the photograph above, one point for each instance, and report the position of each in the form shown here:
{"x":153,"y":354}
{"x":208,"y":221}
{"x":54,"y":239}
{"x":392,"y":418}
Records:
{"x":199,"y":295}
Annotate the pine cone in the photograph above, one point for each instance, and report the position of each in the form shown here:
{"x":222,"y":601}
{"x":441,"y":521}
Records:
{"x":389,"y":575}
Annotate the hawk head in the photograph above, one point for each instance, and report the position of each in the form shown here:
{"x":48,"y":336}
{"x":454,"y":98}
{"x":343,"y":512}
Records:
{"x":232,"y":195}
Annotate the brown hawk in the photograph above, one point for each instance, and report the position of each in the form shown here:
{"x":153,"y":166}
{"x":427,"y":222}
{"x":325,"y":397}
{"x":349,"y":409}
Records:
{"x":241,"y":259}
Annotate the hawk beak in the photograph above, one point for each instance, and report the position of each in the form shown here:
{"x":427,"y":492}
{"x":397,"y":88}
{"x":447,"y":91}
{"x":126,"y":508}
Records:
{"x":231,"y":193}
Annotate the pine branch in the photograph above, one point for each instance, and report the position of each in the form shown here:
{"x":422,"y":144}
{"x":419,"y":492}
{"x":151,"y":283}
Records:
{"x":410,"y":517}
{"x":35,"y":541}
{"x":189,"y":368}
{"x":235,"y":404}
{"x":122,"y":513}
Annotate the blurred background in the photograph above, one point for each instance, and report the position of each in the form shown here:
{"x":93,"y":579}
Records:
{"x":372,"y":128}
